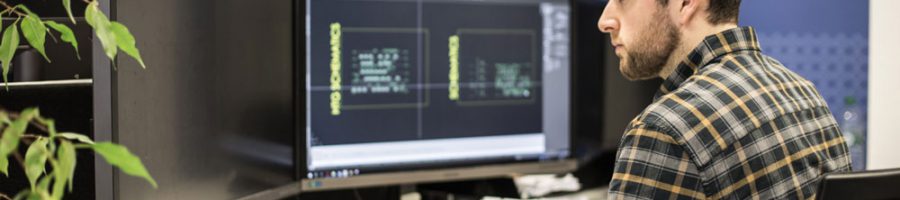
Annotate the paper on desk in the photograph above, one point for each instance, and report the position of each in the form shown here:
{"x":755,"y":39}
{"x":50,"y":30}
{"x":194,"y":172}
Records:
{"x":540,"y":185}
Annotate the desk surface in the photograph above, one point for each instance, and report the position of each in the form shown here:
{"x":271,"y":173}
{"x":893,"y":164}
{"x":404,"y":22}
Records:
{"x":589,"y":194}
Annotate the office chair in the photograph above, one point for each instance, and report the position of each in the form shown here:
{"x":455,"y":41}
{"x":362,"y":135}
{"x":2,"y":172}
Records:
{"x":878,"y":184}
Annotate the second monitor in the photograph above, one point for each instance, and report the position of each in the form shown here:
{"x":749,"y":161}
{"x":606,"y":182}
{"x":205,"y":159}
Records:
{"x":399,"y":86}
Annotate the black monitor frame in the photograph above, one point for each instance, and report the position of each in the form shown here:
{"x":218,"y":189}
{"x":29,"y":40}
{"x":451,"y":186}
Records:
{"x":428,"y":175}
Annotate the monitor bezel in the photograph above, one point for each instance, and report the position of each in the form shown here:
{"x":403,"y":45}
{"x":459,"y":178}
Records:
{"x":456,"y":173}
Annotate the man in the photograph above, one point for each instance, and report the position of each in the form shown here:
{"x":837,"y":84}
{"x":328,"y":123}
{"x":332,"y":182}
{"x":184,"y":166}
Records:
{"x":728,"y":122}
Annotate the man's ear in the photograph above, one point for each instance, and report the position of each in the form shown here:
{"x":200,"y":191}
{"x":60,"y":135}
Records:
{"x":688,"y":10}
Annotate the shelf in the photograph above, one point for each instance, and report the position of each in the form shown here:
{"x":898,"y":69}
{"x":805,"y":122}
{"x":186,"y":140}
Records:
{"x":51,"y":84}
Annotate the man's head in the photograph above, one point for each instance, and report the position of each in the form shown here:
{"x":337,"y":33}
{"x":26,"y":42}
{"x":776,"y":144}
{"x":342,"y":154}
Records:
{"x":650,"y":35}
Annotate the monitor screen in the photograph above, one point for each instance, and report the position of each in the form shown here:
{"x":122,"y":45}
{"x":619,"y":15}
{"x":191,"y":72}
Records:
{"x":395,"y":85}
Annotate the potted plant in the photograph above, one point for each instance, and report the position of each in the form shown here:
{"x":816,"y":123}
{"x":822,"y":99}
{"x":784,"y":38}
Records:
{"x":49,"y":160}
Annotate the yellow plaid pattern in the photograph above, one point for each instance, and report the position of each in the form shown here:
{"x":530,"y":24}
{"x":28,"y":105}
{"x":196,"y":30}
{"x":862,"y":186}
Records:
{"x":730,"y":123}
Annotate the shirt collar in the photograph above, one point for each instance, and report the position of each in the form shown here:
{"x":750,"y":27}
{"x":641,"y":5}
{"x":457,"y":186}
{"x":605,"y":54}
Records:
{"x":711,"y":49}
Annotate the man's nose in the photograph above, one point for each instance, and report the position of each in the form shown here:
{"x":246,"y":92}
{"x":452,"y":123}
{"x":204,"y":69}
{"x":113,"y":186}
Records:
{"x":608,"y":22}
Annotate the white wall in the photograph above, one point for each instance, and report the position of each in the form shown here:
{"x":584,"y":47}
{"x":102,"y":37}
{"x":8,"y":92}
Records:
{"x":884,"y":84}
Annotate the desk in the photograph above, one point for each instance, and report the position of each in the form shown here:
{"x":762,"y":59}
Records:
{"x":589,"y":194}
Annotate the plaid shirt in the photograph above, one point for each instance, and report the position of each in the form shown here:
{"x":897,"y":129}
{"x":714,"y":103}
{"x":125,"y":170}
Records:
{"x":730,"y":123}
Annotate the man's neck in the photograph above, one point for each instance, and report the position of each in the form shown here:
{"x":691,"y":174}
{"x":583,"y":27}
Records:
{"x":689,"y":41}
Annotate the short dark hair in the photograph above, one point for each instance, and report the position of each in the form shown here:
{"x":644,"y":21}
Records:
{"x":720,"y":11}
{"x":724,"y":11}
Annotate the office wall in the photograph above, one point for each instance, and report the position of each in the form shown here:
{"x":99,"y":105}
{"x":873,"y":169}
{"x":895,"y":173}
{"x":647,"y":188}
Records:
{"x":884,"y":134}
{"x":217,"y":90}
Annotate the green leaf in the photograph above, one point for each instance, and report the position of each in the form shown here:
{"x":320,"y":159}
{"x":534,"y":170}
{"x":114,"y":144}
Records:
{"x":44,"y":183}
{"x":59,"y":187}
{"x":67,"y":4}
{"x":89,"y":13}
{"x":36,"y":160}
{"x":32,"y":195}
{"x":77,"y":137}
{"x":1,"y":21}
{"x":126,"y":42}
{"x":66,"y":34}
{"x":101,"y":25}
{"x":22,"y":7}
{"x":8,"y":49}
{"x":41,"y":192}
{"x":119,"y":156}
{"x":67,"y":161}
{"x":63,"y":169}
{"x":39,"y":195}
{"x":34,"y":31}
{"x":8,"y":144}
{"x":26,"y":116}
{"x":51,"y":127}
{"x":11,"y":136}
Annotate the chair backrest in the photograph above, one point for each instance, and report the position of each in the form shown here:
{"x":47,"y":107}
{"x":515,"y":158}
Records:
{"x":879,"y":184}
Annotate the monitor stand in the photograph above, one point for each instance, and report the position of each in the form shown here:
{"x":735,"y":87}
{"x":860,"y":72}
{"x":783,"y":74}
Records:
{"x":464,"y":190}
{"x":460,"y":190}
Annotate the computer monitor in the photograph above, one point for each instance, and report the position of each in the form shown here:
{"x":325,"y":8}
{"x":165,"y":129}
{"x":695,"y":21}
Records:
{"x":413,"y":91}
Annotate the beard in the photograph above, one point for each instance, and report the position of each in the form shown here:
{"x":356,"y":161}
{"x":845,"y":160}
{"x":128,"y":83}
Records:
{"x":648,"y":55}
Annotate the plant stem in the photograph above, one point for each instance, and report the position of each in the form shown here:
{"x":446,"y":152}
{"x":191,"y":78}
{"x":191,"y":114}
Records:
{"x":8,"y":7}
{"x":4,"y":197}
{"x":12,"y":8}
{"x":34,"y":123}
{"x":18,"y":157}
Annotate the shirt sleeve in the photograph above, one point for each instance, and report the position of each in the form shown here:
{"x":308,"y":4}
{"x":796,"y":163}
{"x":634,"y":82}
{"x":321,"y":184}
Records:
{"x":652,"y":165}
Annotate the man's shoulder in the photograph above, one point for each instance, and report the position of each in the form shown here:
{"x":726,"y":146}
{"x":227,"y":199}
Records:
{"x":718,"y":104}
{"x":681,"y":107}
{"x":670,"y":114}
